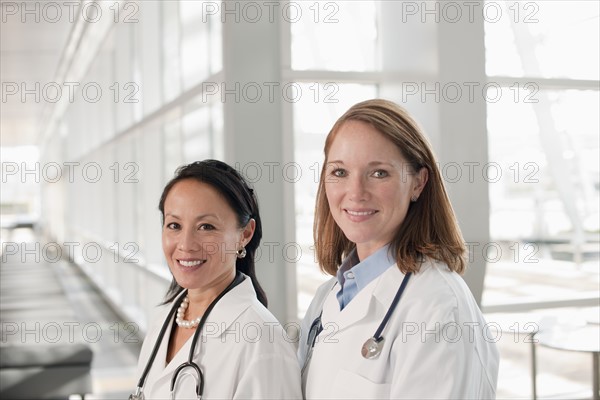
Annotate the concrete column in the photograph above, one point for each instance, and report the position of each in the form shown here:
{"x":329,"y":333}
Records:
{"x":255,"y":142}
{"x":428,"y":51}
{"x":463,"y":132}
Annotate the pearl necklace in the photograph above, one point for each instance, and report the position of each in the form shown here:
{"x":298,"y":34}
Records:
{"x":181,"y":312}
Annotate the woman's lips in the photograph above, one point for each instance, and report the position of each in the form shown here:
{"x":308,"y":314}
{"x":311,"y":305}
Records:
{"x":359,"y":215}
{"x":190,"y":263}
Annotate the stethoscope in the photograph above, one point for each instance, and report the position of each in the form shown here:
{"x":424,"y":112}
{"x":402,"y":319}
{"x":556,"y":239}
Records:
{"x":189,"y":364}
{"x":372,"y":347}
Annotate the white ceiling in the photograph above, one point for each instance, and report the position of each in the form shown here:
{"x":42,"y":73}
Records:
{"x":30,"y":51}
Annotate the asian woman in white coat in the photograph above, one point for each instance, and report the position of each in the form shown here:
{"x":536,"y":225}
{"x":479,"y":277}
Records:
{"x":396,"y":321}
{"x":213,"y":336}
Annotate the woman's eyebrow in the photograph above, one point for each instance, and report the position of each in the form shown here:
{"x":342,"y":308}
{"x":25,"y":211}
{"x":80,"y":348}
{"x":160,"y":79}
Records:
{"x":335,"y":162}
{"x":199,"y":217}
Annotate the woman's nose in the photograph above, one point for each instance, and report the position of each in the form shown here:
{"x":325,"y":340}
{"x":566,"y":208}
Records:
{"x":357,"y":188}
{"x":187,"y":241}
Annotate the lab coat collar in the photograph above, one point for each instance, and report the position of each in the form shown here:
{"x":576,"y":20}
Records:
{"x":387,"y":286}
{"x":223,"y":315}
{"x":367,"y":270}
{"x":390,"y":281}
{"x":382,"y":289}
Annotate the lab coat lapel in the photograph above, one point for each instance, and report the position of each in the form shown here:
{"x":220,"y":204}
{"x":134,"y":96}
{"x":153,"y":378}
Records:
{"x":382,"y":289}
{"x":387,"y":286}
{"x":356,"y":310}
{"x":225,"y":312}
{"x":161,"y":357}
{"x":229,"y":309}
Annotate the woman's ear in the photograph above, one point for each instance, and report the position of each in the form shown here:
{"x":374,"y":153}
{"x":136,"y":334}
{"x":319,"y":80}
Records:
{"x":248,"y":232}
{"x":421,"y":178}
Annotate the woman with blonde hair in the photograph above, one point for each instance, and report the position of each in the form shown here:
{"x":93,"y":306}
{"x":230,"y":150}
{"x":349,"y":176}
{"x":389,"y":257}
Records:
{"x":396,"y":320}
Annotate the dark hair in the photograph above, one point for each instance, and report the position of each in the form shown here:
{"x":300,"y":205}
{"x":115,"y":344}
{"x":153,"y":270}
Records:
{"x":242,"y":200}
{"x":430,"y":228}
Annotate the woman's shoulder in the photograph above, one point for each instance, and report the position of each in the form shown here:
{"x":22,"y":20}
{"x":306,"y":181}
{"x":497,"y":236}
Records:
{"x":442,"y":287}
{"x":437,"y":273}
{"x":255,"y":313}
{"x":321,"y":294}
{"x":326,"y":286}
{"x":262,"y":333}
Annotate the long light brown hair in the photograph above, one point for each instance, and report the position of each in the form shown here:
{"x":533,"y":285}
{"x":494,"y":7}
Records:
{"x":429,"y":229}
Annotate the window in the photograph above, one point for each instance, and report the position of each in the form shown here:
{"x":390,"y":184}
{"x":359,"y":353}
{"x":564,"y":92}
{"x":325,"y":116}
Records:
{"x":333,"y":46}
{"x":543,"y":139}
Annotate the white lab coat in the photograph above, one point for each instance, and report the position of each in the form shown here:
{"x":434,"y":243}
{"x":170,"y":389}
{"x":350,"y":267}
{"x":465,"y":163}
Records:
{"x":437,"y":345}
{"x":243,"y":353}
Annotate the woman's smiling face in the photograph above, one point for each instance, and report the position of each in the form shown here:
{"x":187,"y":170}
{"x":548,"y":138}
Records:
{"x":369,"y":186}
{"x":200,"y":235}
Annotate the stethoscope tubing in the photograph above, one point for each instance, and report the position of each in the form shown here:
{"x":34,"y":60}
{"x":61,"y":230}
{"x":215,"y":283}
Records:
{"x":160,"y":337}
{"x":239,"y":278}
{"x":391,"y":308}
{"x":317,"y":327}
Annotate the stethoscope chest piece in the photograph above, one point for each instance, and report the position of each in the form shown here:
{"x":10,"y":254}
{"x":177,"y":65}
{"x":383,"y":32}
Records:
{"x":372,"y":348}
{"x":138,"y":395}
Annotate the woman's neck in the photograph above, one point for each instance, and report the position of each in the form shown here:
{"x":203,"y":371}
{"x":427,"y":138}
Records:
{"x":201,"y":298}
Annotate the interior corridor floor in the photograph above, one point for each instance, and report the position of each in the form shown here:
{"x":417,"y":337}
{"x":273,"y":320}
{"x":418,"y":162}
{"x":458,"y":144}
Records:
{"x":79,"y":312}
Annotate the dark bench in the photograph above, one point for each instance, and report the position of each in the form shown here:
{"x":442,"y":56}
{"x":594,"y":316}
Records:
{"x":45,"y":372}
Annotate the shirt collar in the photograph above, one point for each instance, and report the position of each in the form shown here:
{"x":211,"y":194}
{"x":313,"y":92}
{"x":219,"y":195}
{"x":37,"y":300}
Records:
{"x":367,"y":270}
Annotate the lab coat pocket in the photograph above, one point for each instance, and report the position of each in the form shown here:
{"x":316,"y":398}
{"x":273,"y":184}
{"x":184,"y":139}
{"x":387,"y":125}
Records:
{"x":349,"y":385}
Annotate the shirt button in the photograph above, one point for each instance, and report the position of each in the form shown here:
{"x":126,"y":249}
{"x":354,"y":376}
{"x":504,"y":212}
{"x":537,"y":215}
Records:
{"x":349,"y":275}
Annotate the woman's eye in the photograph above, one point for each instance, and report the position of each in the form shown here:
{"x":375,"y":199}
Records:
{"x":206,"y":227}
{"x":340,"y":173}
{"x":380,"y":173}
{"x":172,"y":225}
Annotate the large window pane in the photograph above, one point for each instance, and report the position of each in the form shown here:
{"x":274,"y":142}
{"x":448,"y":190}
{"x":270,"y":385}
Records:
{"x":194,"y":43}
{"x":172,"y":145}
{"x":196,"y":135}
{"x":171,"y":58}
{"x":531,"y":199}
{"x":549,"y":39}
{"x":339,"y":36}
{"x":151,"y":181}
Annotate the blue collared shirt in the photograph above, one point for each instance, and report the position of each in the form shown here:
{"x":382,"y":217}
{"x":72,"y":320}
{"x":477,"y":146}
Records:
{"x":353,"y":275}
